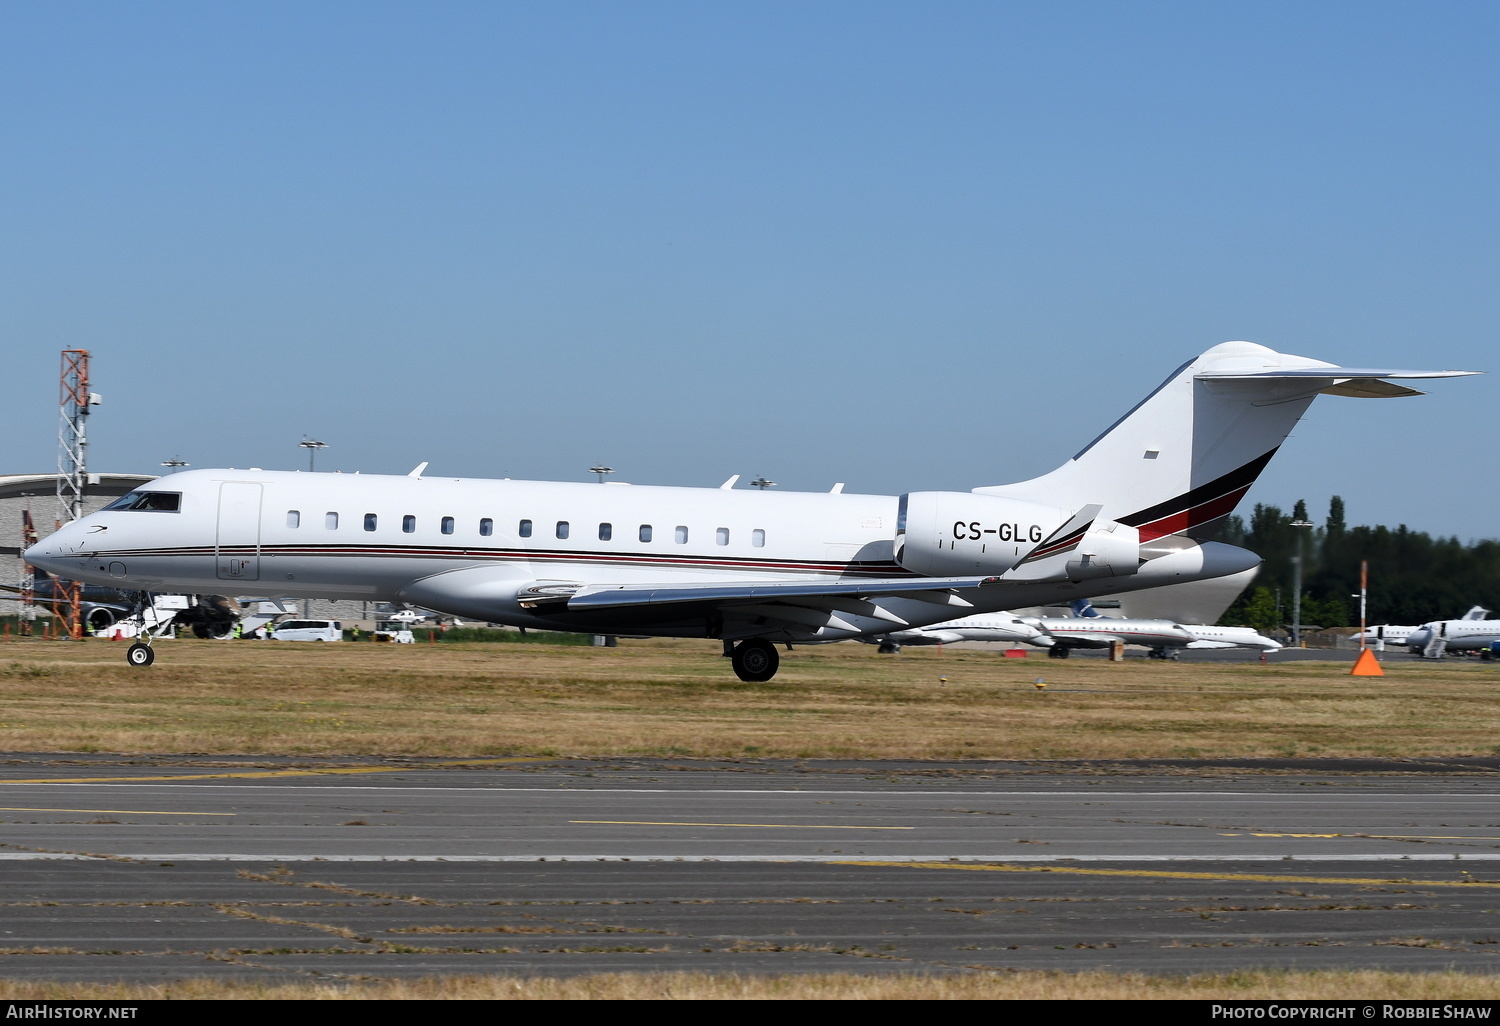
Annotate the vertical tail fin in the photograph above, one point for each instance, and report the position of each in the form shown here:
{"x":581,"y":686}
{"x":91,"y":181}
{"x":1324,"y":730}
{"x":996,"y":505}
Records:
{"x":1183,"y":457}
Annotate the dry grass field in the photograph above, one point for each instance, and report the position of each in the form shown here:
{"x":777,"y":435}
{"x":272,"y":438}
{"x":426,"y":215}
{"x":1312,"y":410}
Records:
{"x":1353,"y":986}
{"x":679,"y":699}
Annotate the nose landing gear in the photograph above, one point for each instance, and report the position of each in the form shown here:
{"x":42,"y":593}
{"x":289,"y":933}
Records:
{"x":141,"y":653}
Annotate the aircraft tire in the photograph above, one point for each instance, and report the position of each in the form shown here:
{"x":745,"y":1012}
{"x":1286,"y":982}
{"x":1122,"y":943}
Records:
{"x":140,"y":655}
{"x":755,"y":660}
{"x":889,"y":648}
{"x":1057,"y":652}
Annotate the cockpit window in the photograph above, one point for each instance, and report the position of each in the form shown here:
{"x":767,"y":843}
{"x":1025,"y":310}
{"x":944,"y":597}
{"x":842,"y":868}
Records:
{"x":152,"y":502}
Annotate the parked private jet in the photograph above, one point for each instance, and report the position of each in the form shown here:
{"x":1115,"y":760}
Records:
{"x":750,"y":567}
{"x":1060,"y":634}
{"x":1088,"y":628}
{"x":1210,"y":636}
{"x":1005,"y":628}
{"x":1431,"y":640}
{"x":1398,"y":634}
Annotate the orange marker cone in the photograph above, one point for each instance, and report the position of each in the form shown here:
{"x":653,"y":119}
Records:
{"x":1367,"y":665}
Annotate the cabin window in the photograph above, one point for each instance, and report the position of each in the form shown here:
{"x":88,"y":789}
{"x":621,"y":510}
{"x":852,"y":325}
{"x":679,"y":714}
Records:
{"x":153,"y":502}
{"x":525,"y":529}
{"x":331,"y":521}
{"x":758,"y":538}
{"x":294,"y":518}
{"x":447,"y":524}
{"x":606,"y":532}
{"x":562,"y":528}
{"x":487,"y":527}
{"x":721,"y":536}
{"x":370,"y":521}
{"x":681,"y":535}
{"x":645,"y":532}
{"x":408,"y":524}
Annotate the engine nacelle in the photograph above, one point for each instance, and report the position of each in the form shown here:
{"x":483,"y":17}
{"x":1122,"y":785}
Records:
{"x":954,"y":534}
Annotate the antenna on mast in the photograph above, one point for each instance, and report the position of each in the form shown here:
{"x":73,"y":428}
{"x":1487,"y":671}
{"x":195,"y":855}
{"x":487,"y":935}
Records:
{"x":72,"y":468}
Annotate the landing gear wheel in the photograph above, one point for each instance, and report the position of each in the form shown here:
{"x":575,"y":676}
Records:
{"x":755,"y":660}
{"x":1057,"y":652}
{"x":140,"y":655}
{"x":889,"y":648}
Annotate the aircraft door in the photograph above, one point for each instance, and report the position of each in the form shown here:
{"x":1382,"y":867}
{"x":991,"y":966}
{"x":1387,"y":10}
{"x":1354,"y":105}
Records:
{"x":237,"y":545}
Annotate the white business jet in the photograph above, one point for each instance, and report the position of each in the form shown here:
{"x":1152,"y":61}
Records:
{"x":750,"y":567}
{"x":1210,"y":636}
{"x":1466,"y":634}
{"x":1088,"y":628}
{"x":1059,"y":635}
{"x":1001,"y":628}
{"x":1399,"y":634}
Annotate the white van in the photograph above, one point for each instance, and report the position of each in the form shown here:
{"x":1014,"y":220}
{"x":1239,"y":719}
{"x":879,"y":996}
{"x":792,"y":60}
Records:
{"x":309,"y":630}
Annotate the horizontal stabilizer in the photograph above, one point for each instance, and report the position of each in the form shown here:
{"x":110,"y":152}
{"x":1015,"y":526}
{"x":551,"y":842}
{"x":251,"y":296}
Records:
{"x":1354,"y":382}
{"x":1331,"y":371}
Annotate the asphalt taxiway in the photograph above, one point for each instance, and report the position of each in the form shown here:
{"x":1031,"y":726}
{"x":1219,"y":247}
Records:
{"x":175,"y":867}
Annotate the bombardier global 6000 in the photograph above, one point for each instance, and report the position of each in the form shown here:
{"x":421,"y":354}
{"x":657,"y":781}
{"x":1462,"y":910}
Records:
{"x":1133,"y":509}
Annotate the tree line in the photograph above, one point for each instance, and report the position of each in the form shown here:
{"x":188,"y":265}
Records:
{"x":1414,"y":577}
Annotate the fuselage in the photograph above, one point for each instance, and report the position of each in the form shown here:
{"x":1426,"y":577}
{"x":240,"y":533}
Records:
{"x":1396,"y":634}
{"x":477,"y":548}
{"x":1100,"y":631}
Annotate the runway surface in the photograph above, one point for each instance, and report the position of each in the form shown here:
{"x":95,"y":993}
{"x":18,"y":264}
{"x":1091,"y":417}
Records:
{"x":176,"y":867}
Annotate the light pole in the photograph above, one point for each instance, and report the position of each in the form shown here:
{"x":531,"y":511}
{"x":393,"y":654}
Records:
{"x":601,"y":470}
{"x":1363,"y":596}
{"x":1297,"y":583}
{"x":762,"y":483}
{"x":312,"y":445}
{"x":175,"y":463}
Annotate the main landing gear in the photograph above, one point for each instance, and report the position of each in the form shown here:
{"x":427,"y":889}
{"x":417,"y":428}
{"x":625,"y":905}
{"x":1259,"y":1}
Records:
{"x":755,"y":660}
{"x":1057,"y":652}
{"x":140,"y":655}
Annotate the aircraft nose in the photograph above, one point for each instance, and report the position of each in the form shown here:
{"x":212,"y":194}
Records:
{"x":41,"y":554}
{"x":51,"y":550}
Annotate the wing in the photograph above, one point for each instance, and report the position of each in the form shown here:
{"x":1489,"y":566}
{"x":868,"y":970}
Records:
{"x":824,"y":610}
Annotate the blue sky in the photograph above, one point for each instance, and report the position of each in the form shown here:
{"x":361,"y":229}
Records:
{"x":900,"y":245}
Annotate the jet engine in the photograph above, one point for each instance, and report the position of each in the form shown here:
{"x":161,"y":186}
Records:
{"x":954,"y":534}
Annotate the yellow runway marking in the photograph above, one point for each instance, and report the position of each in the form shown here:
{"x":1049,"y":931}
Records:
{"x":777,"y":826}
{"x":1177,"y":875}
{"x":264,"y":774}
{"x":121,"y":812}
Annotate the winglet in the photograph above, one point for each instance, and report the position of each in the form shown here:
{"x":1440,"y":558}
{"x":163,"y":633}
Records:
{"x":417,"y":473}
